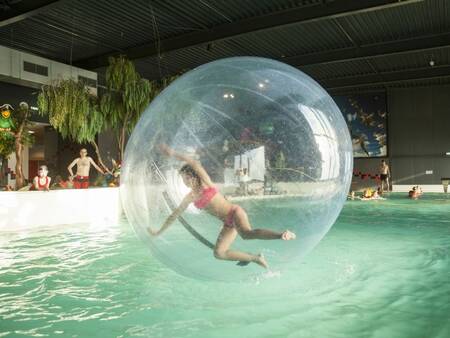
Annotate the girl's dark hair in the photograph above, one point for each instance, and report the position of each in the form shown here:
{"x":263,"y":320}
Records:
{"x":188,"y":170}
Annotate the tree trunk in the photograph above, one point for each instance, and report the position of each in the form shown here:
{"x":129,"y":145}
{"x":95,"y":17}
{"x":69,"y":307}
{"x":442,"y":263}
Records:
{"x":122,"y":136}
{"x":3,"y":166}
{"x":97,"y":151}
{"x":119,"y":142}
{"x":19,"y":148}
{"x":122,"y":144}
{"x":19,"y":159}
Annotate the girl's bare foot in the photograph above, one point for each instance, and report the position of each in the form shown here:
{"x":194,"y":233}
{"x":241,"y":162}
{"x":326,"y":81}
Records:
{"x":260,"y":260}
{"x":151,"y":231}
{"x":288,"y":235}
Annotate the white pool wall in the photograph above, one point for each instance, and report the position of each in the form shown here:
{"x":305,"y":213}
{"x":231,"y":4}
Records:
{"x":29,"y":209}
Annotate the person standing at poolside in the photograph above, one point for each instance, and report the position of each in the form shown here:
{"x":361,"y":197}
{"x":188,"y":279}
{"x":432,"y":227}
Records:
{"x":83,"y":163}
{"x":244,"y":179}
{"x":384,"y":175}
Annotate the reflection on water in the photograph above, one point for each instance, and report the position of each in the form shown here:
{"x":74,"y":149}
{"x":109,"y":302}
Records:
{"x":382,"y":271}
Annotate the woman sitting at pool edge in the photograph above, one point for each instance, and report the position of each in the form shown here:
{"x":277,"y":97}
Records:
{"x":206,"y":196}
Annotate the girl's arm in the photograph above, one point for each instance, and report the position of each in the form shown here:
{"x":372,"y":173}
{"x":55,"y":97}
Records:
{"x":196,"y":165}
{"x":173,"y":216}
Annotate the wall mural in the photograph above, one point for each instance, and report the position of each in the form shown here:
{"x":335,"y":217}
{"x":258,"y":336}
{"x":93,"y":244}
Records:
{"x":366,"y":116}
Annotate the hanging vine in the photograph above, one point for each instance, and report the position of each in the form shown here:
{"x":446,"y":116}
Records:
{"x":80,"y":116}
{"x":73,"y":112}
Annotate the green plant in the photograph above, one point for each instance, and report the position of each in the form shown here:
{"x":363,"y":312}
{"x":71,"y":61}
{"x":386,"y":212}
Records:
{"x":19,"y":136}
{"x":127,"y":96}
{"x":80,"y":116}
{"x":73,"y":112}
{"x":6,"y":144}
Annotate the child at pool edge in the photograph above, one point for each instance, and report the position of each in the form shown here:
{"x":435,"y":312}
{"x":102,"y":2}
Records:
{"x":205,"y":195}
{"x":41,"y":182}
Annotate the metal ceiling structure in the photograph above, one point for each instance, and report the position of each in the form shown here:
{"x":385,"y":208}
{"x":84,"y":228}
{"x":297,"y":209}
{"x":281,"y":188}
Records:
{"x":346,"y":45}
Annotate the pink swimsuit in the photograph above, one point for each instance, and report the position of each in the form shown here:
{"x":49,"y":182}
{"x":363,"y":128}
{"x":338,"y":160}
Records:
{"x":230,"y":220}
{"x":206,"y":197}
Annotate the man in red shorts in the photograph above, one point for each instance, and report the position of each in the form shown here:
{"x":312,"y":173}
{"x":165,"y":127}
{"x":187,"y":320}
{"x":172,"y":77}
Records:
{"x":83,"y":163}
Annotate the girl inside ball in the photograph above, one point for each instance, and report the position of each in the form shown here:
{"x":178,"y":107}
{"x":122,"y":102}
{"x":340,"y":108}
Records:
{"x":205,"y":195}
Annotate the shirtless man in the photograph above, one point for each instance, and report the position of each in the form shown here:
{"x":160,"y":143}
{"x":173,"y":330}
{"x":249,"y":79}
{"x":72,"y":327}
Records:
{"x":384,"y":175}
{"x":81,"y":179}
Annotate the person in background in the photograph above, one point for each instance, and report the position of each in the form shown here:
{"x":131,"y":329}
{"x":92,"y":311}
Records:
{"x":415,"y":192}
{"x":83,"y":163}
{"x":244,"y":179}
{"x":41,"y":182}
{"x":385,"y":175}
{"x":351,"y":195}
{"x":380,"y":191}
{"x":111,"y":178}
{"x":117,"y":166}
{"x":368,"y":193}
{"x":419,"y":189}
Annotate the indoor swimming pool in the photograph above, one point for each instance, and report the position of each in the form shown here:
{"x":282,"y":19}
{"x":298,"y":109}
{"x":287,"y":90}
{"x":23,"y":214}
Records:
{"x":381,"y":271}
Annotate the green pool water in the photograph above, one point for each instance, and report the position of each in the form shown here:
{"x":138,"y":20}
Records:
{"x":382,"y":271}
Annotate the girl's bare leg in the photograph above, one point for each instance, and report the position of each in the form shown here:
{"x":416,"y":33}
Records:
{"x":245,"y":229}
{"x":221,"y":251}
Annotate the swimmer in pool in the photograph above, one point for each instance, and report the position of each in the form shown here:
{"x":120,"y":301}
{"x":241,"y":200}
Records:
{"x":206,"y":196}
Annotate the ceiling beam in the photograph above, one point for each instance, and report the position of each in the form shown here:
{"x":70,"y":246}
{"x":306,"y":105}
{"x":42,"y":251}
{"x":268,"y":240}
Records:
{"x":327,"y":10}
{"x":18,"y":11}
{"x":370,"y":51}
{"x":387,"y":77}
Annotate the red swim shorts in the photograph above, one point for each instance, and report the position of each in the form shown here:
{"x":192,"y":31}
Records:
{"x":81,"y":182}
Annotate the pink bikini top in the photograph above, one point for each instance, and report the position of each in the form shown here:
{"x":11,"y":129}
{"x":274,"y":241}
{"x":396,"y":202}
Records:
{"x":207,"y":195}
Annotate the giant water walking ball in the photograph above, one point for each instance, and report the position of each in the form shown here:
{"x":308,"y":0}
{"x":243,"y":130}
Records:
{"x":272,"y":140}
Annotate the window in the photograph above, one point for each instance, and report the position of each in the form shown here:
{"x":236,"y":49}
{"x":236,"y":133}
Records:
{"x":35,"y":68}
{"x":87,"y":81}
